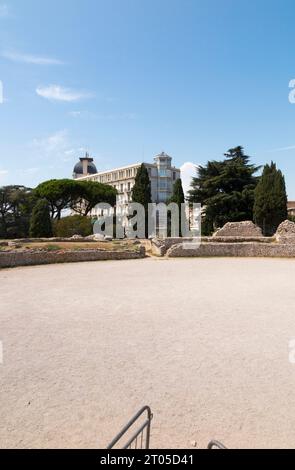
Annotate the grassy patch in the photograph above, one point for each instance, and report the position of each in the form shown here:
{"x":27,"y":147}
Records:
{"x":52,"y":248}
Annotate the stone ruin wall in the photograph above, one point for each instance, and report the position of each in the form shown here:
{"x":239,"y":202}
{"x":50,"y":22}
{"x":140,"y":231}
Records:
{"x":238,"y":239}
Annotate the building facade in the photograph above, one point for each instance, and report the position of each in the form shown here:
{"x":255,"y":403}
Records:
{"x":162,"y":176}
{"x":291,"y":208}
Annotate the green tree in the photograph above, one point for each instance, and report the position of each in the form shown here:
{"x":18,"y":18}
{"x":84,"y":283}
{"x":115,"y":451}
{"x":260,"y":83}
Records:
{"x":225,"y":189}
{"x":91,"y":193}
{"x":59,"y":194}
{"x":270,"y":207}
{"x":16,"y":204}
{"x":142,"y":192}
{"x":40,"y":226}
{"x":80,"y":196}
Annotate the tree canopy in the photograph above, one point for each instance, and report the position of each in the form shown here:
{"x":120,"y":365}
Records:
{"x":59,"y":194}
{"x":80,"y":196}
{"x":92,"y":193}
{"x":225,"y":189}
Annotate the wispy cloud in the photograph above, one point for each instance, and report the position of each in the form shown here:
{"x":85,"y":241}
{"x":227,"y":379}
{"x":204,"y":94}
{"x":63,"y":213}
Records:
{"x":57,"y":147}
{"x":53,"y":144}
{"x":59,"y":93}
{"x":283,"y":149}
{"x":30,"y":58}
{"x":103,"y":117}
{"x":4,"y":10}
{"x":119,"y":116}
{"x":31,"y":171}
{"x":73,"y":153}
{"x":76,"y":114}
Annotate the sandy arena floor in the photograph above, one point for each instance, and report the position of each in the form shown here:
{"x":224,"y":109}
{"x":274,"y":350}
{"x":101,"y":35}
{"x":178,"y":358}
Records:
{"x":205,"y":342}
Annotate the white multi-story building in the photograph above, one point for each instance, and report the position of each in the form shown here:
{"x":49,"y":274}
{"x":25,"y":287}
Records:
{"x":162,"y":176}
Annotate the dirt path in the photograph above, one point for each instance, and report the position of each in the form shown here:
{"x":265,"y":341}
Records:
{"x":203,"y":341}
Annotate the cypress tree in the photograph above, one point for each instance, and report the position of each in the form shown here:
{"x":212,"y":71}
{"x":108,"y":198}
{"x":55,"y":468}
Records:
{"x":270,"y":207}
{"x":142,"y":192}
{"x":178,"y":198}
{"x":178,"y":193}
{"x":40,"y":224}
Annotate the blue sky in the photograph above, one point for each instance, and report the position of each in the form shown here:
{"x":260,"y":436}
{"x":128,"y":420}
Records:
{"x":127,"y":79}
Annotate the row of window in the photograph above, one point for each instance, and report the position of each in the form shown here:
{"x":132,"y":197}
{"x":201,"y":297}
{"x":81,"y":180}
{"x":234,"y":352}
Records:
{"x":118,"y":175}
{"x":123,"y":187}
{"x":131,"y":173}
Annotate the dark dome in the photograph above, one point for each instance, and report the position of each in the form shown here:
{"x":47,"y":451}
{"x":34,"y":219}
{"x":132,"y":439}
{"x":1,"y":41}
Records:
{"x":92,"y":170}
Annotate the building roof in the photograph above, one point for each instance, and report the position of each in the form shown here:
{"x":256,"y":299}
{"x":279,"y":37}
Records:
{"x":163,"y":155}
{"x":91,"y":168}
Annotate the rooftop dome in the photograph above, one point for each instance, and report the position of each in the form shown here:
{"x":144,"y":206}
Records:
{"x":80,"y":167}
{"x":92,"y":170}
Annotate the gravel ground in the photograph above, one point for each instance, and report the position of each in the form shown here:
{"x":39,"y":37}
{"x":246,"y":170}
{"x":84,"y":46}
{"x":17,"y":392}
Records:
{"x":204,"y":342}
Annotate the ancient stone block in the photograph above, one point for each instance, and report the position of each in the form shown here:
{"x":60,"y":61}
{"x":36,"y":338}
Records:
{"x":239,"y":229}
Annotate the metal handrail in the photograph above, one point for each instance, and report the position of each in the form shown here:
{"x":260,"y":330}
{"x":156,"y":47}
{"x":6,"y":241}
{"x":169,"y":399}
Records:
{"x":140,"y":432}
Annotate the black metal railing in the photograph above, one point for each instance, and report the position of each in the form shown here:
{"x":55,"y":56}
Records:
{"x":139,"y":439}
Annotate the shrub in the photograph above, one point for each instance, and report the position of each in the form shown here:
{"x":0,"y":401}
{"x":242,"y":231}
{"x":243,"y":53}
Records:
{"x":73,"y":225}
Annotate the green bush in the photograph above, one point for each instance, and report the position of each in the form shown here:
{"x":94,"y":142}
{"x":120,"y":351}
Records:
{"x":73,"y":225}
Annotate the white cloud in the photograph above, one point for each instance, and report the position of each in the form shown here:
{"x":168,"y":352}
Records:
{"x":57,"y":147}
{"x":4,"y":11}
{"x":188,"y":172}
{"x":76,"y":114}
{"x":55,"y":143}
{"x":58,"y":93}
{"x":30,"y":59}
